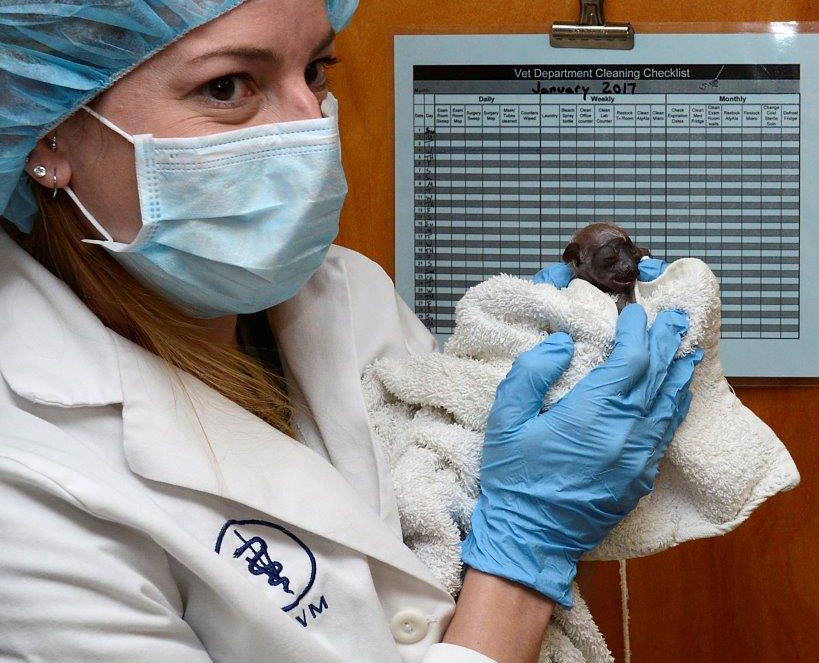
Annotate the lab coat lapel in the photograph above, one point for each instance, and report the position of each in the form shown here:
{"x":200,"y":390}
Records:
{"x":317,"y":343}
{"x":181,"y":432}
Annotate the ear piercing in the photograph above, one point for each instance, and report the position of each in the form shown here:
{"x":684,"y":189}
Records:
{"x":40,"y":171}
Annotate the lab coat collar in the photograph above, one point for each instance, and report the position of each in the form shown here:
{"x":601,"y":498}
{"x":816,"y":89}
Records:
{"x":178,"y":431}
{"x":61,"y":354}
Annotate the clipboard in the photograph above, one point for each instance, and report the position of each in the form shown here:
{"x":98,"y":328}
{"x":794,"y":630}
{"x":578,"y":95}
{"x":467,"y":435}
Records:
{"x":591,"y":30}
{"x":742,"y":202}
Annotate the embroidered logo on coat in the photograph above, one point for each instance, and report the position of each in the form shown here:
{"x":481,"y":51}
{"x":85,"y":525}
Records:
{"x":268,"y":551}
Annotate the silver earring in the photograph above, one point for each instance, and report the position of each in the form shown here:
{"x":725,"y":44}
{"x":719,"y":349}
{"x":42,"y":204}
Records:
{"x":39,"y":171}
{"x":54,"y":143}
{"x":54,"y":191}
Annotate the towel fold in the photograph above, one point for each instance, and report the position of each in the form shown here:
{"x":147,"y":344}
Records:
{"x":429,"y":413}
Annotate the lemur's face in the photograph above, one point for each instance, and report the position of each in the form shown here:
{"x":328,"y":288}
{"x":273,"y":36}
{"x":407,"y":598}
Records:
{"x":604,"y":255}
{"x":612,"y":267}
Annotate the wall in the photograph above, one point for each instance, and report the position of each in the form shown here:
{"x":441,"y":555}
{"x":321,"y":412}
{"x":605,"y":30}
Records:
{"x":748,"y":596}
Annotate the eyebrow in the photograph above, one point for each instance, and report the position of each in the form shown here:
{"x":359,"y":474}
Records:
{"x":258,"y":54}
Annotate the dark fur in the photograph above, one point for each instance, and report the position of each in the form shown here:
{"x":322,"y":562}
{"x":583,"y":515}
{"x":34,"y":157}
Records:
{"x":604,"y":255}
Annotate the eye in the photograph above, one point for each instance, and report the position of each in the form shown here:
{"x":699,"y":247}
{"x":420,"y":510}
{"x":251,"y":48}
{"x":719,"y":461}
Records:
{"x":605,"y":257}
{"x":227,"y":89}
{"x":315,"y":75}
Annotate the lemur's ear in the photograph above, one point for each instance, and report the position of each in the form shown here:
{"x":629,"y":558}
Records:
{"x":572,"y":254}
{"x":642,"y":252}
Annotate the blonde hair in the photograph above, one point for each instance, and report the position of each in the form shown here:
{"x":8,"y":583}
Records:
{"x":144,"y":317}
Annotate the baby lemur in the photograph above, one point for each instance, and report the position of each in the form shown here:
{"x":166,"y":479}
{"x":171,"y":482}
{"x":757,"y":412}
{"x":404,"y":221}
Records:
{"x":604,"y":255}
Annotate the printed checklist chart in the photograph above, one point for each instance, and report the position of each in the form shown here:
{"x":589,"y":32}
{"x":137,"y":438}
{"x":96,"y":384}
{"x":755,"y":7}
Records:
{"x":498,"y":164}
{"x":504,"y":174}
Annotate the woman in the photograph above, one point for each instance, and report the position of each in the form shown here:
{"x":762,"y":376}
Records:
{"x":186,"y":469}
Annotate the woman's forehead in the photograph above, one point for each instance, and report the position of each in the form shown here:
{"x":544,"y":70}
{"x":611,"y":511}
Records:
{"x":280,"y":27}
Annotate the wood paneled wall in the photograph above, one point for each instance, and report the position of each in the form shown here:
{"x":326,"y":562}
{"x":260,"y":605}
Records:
{"x":748,"y":596}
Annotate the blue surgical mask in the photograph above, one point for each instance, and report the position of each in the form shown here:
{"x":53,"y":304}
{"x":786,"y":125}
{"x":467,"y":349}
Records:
{"x":233,"y":222}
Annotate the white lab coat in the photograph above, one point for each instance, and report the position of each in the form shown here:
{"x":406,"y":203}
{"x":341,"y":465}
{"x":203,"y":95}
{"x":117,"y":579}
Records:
{"x":148,"y":518}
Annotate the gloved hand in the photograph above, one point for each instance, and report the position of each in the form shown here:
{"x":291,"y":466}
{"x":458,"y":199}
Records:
{"x":651,"y":268}
{"x":554,"y":484}
{"x":559,"y":274}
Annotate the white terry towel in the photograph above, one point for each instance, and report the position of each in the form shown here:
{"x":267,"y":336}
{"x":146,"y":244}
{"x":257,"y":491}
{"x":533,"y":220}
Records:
{"x":429,"y":413}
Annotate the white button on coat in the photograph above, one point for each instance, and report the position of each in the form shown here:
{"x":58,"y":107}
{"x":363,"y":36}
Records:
{"x":409,"y":626}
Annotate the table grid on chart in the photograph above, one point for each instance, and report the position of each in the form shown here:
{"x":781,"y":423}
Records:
{"x":501,"y":187}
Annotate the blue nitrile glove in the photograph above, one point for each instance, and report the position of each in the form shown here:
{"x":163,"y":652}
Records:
{"x":554,"y":484}
{"x":559,"y":274}
{"x":651,"y":268}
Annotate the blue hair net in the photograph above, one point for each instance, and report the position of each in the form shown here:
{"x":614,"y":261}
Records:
{"x":57,"y":54}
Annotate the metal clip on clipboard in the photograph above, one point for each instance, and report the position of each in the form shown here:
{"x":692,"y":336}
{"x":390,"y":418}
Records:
{"x":591,"y":30}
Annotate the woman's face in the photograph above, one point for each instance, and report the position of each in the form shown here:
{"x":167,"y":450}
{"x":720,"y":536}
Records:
{"x":262,"y":62}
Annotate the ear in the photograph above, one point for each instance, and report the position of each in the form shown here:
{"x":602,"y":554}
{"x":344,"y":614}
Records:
{"x":642,"y":253}
{"x":572,"y":254}
{"x":55,"y":163}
